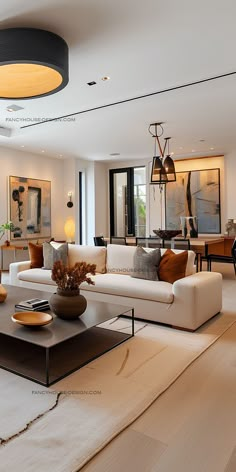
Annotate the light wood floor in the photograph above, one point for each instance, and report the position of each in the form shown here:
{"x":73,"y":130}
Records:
{"x":192,"y":426}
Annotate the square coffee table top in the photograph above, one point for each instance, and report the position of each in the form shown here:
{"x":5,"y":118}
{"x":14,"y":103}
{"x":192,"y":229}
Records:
{"x":59,"y":330}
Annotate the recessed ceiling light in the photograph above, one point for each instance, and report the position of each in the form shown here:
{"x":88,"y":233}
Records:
{"x":42,"y":150}
{"x":91,"y":83}
{"x":212,"y":149}
{"x":115,"y":154}
{"x":105,"y":78}
{"x":22,"y":145}
{"x":60,"y":155}
{"x":14,"y":108}
{"x":193,"y":150}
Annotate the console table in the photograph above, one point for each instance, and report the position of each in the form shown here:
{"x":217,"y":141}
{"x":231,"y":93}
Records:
{"x":13,"y":250}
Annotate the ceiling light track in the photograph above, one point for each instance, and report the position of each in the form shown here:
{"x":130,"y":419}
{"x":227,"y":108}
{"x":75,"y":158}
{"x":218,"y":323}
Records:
{"x":127,"y":100}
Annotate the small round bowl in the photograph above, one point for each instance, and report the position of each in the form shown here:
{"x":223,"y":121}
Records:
{"x":32,"y":318}
{"x":167,"y":233}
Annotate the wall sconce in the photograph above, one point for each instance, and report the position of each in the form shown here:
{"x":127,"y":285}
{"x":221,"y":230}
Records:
{"x":70,"y":204}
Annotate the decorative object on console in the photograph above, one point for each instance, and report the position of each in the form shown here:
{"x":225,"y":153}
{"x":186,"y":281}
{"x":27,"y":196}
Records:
{"x":30,"y":208}
{"x":146,"y":264}
{"x":189,"y":226}
{"x":9,"y":226}
{"x":195,"y":193}
{"x":3,"y":294}
{"x":68,"y":303}
{"x":163,"y":169}
{"x":33,"y":62}
{"x":231,"y":227}
{"x":173,"y":266}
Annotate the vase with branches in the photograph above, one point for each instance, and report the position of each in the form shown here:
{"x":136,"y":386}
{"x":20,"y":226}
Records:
{"x":68,"y":303}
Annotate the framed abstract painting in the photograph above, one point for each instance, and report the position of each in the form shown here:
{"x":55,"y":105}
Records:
{"x":30,"y":208}
{"x":195,"y":193}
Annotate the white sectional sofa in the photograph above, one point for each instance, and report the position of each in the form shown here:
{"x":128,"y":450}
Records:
{"x":187,"y":303}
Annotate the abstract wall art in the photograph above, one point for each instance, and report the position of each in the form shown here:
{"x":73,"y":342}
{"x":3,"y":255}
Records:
{"x":30,"y":207}
{"x":195,"y":193}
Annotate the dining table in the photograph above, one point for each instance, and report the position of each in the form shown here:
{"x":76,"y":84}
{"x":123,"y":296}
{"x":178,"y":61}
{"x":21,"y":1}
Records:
{"x":204,"y":245}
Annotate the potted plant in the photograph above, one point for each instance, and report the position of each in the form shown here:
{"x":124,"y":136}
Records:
{"x":9,"y":226}
{"x":67,"y":303}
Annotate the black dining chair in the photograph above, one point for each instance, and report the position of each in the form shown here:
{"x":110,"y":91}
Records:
{"x":227,"y":259}
{"x":177,"y":243}
{"x":149,"y":242}
{"x":99,"y":241}
{"x":118,"y":240}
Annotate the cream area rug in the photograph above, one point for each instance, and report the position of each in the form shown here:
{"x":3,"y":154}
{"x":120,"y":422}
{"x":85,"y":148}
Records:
{"x":61,"y":428}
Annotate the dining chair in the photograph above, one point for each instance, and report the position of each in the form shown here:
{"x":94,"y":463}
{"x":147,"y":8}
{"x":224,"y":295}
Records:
{"x":118,"y":240}
{"x":220,"y":258}
{"x":149,"y":242}
{"x":99,"y":241}
{"x":177,"y":243}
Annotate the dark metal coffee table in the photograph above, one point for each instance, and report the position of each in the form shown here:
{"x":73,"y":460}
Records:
{"x":46,"y":355}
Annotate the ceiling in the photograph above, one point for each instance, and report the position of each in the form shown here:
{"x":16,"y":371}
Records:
{"x":144,"y":47}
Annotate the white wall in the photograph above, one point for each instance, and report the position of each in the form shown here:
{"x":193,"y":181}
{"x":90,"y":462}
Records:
{"x":30,"y":165}
{"x":101,"y":199}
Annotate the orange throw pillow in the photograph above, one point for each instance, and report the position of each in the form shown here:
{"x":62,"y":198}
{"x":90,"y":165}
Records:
{"x":36,"y":255}
{"x":172,"y":266}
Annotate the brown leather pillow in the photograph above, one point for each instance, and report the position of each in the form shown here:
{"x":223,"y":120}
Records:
{"x":172,"y":266}
{"x":36,"y":255}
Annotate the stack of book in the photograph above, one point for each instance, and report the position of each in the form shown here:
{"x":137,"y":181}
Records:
{"x":34,"y":304}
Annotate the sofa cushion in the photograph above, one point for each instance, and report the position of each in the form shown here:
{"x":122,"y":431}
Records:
{"x":120,"y":259}
{"x":39,"y":276}
{"x":90,"y":254}
{"x":126,"y":286}
{"x":52,"y":254}
{"x":146,"y":264}
{"x":172,"y":266}
{"x":36,"y":255}
{"x":190,"y":267}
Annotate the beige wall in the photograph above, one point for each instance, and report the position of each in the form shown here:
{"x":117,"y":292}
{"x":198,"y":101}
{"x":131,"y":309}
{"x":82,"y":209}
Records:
{"x":30,"y":165}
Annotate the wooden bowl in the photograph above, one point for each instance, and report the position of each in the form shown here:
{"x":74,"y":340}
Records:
{"x":32,"y":318}
{"x":167,"y":233}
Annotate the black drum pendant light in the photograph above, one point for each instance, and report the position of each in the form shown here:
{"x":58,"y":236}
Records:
{"x":163,"y":170}
{"x":33,"y":63}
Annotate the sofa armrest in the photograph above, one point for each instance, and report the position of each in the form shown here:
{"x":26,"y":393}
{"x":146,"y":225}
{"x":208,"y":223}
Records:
{"x":201,"y":295}
{"x":15,"y":268}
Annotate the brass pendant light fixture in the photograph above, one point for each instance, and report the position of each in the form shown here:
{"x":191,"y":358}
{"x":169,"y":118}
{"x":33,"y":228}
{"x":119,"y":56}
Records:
{"x":33,"y":63}
{"x":163,"y":169}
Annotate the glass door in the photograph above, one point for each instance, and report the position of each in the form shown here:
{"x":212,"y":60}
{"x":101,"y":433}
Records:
{"x":122,"y":202}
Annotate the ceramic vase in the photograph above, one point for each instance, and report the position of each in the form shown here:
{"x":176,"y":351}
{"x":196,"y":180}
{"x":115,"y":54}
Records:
{"x":68,"y":305}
